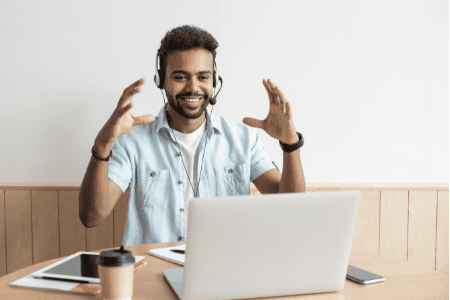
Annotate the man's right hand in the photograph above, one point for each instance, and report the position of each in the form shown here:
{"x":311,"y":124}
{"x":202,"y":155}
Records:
{"x":121,"y":121}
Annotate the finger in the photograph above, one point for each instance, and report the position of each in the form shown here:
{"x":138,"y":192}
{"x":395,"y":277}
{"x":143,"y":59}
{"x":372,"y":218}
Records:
{"x":127,"y":96}
{"x":282,"y":98}
{"x":275,"y":96}
{"x":269,"y":92}
{"x":142,"y":120}
{"x":253,"y":122}
{"x":136,"y":84}
{"x":122,"y":111}
{"x":288,"y":111}
{"x":280,"y":94}
{"x":130,"y":91}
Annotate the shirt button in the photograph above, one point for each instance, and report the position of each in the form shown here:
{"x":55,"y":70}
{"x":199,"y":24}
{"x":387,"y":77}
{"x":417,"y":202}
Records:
{"x":179,"y":154}
{"x":180,"y":181}
{"x":181,"y":210}
{"x":180,"y":238}
{"x":153,"y":174}
{"x":230,"y":171}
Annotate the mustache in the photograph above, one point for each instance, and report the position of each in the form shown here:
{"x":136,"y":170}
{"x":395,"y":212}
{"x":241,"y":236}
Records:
{"x":191,"y":95}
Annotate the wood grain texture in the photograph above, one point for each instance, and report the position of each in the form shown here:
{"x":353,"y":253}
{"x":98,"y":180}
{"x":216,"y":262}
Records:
{"x":403,"y":281}
{"x":442,"y":232}
{"x":72,"y":231}
{"x":102,"y":236}
{"x":45,"y":225}
{"x":2,"y":234}
{"x":73,"y":236}
{"x":422,"y":228}
{"x":324,"y":189}
{"x":19,"y":240}
{"x":394,"y":225}
{"x":379,"y":186}
{"x":120,"y":217}
{"x":309,"y":185}
{"x":366,"y":237}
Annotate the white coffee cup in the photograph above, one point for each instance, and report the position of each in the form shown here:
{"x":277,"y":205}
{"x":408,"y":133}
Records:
{"x":116,"y":272}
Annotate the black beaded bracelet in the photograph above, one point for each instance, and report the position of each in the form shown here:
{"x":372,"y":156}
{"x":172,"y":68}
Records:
{"x":98,"y":157}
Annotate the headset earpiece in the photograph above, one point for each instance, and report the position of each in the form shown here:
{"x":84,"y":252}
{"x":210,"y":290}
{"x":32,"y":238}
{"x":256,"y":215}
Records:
{"x":159,"y":76}
{"x":215,"y":74}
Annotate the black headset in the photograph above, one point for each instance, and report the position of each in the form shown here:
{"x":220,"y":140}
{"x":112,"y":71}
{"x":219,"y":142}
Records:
{"x":161,"y":74}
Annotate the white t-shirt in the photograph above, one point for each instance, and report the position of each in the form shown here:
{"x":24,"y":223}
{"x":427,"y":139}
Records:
{"x":188,"y":144}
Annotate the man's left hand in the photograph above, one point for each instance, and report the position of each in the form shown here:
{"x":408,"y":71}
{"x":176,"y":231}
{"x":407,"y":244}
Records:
{"x":278,"y":123}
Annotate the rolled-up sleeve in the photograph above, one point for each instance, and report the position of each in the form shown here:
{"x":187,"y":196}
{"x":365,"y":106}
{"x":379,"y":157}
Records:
{"x":119,"y":168}
{"x":259,"y":160}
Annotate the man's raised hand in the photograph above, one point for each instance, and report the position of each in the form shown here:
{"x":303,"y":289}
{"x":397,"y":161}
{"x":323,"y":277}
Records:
{"x":121,"y":121}
{"x":278,"y":123}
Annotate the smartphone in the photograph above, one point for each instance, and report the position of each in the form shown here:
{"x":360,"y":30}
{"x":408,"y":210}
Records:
{"x":360,"y":276}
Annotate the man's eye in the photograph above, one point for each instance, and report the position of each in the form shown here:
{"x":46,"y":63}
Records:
{"x":204,"y":77}
{"x":179,"y":77}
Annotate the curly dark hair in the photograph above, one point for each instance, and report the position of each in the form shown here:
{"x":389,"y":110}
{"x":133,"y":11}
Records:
{"x":184,"y":38}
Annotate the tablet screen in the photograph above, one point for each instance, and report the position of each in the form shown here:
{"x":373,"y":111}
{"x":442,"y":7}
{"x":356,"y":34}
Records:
{"x":82,"y":265}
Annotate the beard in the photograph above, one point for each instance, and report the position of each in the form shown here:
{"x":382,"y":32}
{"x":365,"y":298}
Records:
{"x":186,"y":112}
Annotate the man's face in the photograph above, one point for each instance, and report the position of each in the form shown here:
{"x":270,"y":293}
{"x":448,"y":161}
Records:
{"x":189,"y":81}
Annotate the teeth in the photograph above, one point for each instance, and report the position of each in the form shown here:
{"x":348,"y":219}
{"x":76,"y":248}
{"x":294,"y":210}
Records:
{"x":191,"y":100}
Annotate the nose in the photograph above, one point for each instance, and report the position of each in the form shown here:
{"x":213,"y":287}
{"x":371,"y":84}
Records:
{"x":193,"y":86}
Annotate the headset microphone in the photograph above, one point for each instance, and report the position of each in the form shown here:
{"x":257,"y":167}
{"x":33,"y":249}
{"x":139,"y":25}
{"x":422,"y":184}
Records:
{"x":213,"y":100}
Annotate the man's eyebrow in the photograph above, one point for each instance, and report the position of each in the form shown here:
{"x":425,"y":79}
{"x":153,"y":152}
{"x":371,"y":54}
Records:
{"x":187,"y":73}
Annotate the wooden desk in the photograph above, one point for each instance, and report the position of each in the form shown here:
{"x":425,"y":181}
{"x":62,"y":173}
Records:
{"x":403,"y":281}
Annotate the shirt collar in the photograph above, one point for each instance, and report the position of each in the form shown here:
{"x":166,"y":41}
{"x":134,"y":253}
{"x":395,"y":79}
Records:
{"x":162,"y":120}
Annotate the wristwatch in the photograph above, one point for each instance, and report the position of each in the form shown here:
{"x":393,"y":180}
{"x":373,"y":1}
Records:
{"x":98,"y":157}
{"x":293,"y":147}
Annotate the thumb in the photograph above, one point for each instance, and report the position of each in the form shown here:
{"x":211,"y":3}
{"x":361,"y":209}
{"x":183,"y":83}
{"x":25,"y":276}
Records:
{"x":142,"y":120}
{"x":253,"y":122}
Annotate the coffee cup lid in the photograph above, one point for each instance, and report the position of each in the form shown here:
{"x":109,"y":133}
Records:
{"x":115,"y":258}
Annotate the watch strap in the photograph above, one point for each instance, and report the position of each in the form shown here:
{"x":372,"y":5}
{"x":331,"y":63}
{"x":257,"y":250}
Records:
{"x":98,"y":157}
{"x":293,"y":147}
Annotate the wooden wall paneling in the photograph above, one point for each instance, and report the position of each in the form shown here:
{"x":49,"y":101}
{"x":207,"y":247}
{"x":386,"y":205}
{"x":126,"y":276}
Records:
{"x":102,"y":236}
{"x":324,"y":189}
{"x":44,"y":221}
{"x":2,"y":235}
{"x":19,"y":240}
{"x":427,"y":221}
{"x":71,"y":231}
{"x":422,"y":228}
{"x":442,"y":232}
{"x":366,"y":237}
{"x":394,"y":224}
{"x":120,"y":217}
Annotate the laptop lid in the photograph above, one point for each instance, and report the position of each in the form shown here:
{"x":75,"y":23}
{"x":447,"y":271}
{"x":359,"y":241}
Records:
{"x":268,"y":245}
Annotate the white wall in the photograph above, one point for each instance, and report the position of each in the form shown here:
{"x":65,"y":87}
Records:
{"x":367,"y":80}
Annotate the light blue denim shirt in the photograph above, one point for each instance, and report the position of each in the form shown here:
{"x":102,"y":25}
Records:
{"x":145,"y":159}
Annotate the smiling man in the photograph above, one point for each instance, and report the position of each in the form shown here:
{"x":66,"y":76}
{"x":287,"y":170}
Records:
{"x":185,"y":151}
{"x":190,"y":81}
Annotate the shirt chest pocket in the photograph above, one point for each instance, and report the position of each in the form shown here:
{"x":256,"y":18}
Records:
{"x":233,"y":180}
{"x":155,"y":188}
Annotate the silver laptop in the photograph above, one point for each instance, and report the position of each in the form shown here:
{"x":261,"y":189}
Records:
{"x":266,"y":245}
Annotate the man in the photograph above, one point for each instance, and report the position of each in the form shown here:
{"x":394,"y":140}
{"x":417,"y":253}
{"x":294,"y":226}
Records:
{"x":185,"y":151}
